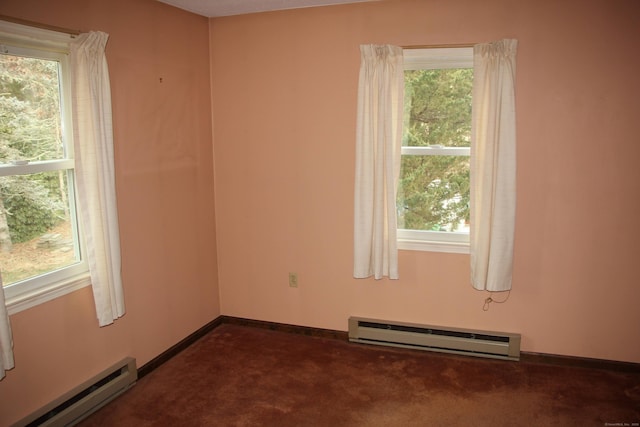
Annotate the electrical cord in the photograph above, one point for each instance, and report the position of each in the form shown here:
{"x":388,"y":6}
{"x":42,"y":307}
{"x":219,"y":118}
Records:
{"x":490,"y":299}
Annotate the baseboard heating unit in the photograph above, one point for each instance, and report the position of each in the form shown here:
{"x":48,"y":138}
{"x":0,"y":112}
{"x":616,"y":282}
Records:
{"x":74,"y":406}
{"x":496,"y":345}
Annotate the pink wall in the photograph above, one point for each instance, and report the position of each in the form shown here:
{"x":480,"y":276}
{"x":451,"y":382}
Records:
{"x":164,"y":175}
{"x":284,"y":95}
{"x":284,"y":100}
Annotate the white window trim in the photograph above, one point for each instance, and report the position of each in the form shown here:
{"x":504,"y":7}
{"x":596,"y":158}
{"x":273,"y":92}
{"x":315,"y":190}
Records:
{"x":438,"y":58}
{"x":435,"y":241}
{"x":420,"y":240}
{"x":27,"y":298}
{"x":25,"y":294}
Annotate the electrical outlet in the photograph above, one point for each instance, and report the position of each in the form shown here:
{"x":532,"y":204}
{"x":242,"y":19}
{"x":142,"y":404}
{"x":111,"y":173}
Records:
{"x":293,"y":280}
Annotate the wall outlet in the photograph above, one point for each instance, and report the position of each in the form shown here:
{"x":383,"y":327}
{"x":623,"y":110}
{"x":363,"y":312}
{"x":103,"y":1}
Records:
{"x":293,"y":280}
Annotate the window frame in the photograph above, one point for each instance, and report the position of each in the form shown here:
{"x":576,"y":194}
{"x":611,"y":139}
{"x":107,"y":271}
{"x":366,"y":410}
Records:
{"x":21,"y":40}
{"x":424,"y":240}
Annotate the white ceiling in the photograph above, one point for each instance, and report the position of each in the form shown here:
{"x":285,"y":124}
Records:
{"x":212,"y":8}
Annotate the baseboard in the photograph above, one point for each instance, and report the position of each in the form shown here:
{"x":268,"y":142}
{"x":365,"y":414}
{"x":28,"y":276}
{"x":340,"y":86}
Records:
{"x":292,"y":329}
{"x":525,"y":357}
{"x":177,"y":348}
{"x":165,"y":356}
{"x":579,"y":362}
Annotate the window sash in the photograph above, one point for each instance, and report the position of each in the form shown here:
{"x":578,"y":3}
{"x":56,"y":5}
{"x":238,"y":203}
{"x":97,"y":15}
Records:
{"x":43,"y":287}
{"x":19,"y":40}
{"x":438,"y":58}
{"x":28,"y":293}
{"x":36,"y":167}
{"x":425,"y":240}
{"x":18,"y":36}
{"x":435,"y":150}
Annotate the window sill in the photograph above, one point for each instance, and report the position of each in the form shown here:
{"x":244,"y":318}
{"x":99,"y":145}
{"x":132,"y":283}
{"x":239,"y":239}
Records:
{"x":43,"y":294}
{"x":433,"y":246}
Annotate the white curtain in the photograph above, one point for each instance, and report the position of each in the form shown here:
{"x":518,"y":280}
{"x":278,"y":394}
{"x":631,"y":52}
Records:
{"x":378,"y":142}
{"x":6,"y":342}
{"x":493,"y":165}
{"x":93,"y":146}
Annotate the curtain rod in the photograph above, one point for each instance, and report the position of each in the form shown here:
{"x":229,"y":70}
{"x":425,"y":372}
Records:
{"x":438,"y":46}
{"x":39,"y":25}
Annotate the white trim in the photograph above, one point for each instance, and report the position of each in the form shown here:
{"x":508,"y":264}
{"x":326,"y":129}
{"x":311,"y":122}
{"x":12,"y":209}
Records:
{"x":31,"y":298}
{"x":22,"y":40}
{"x":424,"y":246}
{"x":435,"y":150}
{"x":439,"y":58}
{"x":422,"y":240}
{"x":25,"y":36}
{"x":36,"y":167}
{"x":433,"y":241}
{"x":435,"y":236}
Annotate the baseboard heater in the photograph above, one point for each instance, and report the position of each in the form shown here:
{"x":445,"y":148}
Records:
{"x":74,"y":406}
{"x":496,"y":345}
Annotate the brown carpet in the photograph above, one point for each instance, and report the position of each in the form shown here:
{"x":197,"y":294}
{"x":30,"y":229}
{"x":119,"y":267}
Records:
{"x":245,"y":376}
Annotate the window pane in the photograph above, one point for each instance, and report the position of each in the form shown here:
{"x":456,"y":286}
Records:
{"x":30,"y":123}
{"x":438,"y":107}
{"x":36,"y":232}
{"x":433,"y":193}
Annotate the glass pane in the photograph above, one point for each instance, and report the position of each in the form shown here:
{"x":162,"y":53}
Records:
{"x":438,"y":107}
{"x":37,"y":234}
{"x":433,"y":193}
{"x":30,"y":123}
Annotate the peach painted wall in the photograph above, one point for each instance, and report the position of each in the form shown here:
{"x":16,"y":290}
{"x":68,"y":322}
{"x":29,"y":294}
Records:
{"x":284,"y":100}
{"x":164,"y":173}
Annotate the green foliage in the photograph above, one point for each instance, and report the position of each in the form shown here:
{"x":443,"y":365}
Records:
{"x":32,"y":204}
{"x":29,"y":109}
{"x":434,"y":190}
{"x":29,"y":216}
{"x":30,"y":129}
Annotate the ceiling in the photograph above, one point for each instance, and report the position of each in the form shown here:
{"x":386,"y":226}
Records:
{"x":212,"y":8}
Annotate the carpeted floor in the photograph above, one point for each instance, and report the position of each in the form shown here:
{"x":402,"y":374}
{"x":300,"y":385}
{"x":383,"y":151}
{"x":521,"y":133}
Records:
{"x":245,"y":376}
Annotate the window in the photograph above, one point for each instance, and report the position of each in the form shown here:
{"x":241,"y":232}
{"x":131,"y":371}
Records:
{"x":41,"y":255}
{"x":433,"y":192}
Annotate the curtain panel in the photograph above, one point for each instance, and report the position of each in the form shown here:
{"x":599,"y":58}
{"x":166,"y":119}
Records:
{"x":95,"y":173}
{"x":6,"y":341}
{"x":378,"y":142}
{"x":493,"y":165}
